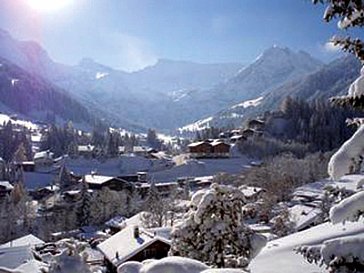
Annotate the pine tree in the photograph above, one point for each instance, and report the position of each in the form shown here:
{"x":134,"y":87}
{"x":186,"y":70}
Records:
{"x":83,"y":207}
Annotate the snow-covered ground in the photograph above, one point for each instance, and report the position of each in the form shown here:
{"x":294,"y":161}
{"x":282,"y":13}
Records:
{"x":249,"y":103}
{"x":28,"y":124}
{"x":202,"y":167}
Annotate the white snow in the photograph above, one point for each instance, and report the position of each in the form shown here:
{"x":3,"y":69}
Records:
{"x":28,"y":124}
{"x":349,"y":246}
{"x":117,"y":253}
{"x":100,"y":75}
{"x":303,"y":216}
{"x":196,"y":126}
{"x":356,"y":89}
{"x":348,"y":209}
{"x":348,"y":156}
{"x":279,"y":255}
{"x":27,"y":240}
{"x":249,"y":103}
{"x":14,"y":82}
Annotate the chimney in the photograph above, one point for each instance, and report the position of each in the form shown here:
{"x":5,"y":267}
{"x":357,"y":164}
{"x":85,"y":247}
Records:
{"x":136,"y":232}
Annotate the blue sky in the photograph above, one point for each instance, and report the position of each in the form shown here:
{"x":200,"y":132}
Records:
{"x":131,"y":34}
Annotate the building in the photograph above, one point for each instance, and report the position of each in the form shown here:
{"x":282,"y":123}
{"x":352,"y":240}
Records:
{"x":27,"y":240}
{"x":44,"y":158}
{"x":133,"y":244}
{"x":5,"y":188}
{"x":97,"y":182}
{"x":209,"y":148}
{"x":85,"y":151}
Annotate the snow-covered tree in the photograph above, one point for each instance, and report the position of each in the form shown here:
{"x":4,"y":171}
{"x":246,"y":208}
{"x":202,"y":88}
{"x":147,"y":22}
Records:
{"x":345,"y":254}
{"x":154,"y":208}
{"x":213,"y":232}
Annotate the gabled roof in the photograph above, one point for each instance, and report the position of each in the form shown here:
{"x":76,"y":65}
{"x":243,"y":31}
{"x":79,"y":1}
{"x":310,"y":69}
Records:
{"x":126,"y":246}
{"x":197,"y":143}
{"x":6,"y":185}
{"x":14,"y":257}
{"x":97,"y":179}
{"x":27,"y":240}
{"x":43,"y":154}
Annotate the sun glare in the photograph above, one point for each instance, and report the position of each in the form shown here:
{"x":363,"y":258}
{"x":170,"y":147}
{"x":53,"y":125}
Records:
{"x":48,"y":5}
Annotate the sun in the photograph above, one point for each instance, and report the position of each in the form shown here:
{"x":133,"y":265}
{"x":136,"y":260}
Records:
{"x":48,"y":5}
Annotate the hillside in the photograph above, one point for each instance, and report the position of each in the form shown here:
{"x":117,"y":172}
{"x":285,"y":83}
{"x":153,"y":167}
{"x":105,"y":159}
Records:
{"x":331,"y":80}
{"x":33,"y":97}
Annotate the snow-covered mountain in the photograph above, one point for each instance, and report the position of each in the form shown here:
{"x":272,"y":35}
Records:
{"x":168,"y":94}
{"x":331,"y":80}
{"x":274,"y":67}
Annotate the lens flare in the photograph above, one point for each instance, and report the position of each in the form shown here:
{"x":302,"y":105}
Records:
{"x":48,"y":5}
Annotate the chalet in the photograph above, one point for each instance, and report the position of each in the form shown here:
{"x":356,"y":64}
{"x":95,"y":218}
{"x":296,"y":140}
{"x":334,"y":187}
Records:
{"x":199,"y":149}
{"x":45,"y":192}
{"x":85,"y":151}
{"x":15,"y":259}
{"x":209,"y":148}
{"x":220,"y":149}
{"x":97,"y":182}
{"x":236,"y":138}
{"x":44,"y":158}
{"x":247,"y":133}
{"x":27,"y":240}
{"x":256,"y":124}
{"x":5,"y":188}
{"x":133,"y":244}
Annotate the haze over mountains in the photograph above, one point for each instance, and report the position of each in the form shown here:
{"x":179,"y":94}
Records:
{"x":171,"y":94}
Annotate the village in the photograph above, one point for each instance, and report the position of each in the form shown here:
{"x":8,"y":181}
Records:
{"x":122,"y":208}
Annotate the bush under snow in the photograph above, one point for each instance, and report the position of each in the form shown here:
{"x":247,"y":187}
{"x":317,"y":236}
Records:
{"x":172,"y":265}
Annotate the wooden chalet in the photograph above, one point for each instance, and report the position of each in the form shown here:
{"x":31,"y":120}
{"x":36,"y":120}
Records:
{"x":133,"y":244}
{"x":209,"y":148}
{"x":98,"y":182}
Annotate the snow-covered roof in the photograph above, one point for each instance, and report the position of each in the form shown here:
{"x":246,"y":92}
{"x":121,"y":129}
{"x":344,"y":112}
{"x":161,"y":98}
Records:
{"x":139,"y":149}
{"x":14,"y":257}
{"x":27,"y":240}
{"x":6,"y":185}
{"x":124,"y":245}
{"x":85,"y":148}
{"x":97,"y":179}
{"x":43,"y":154}
{"x":303,"y":216}
{"x":196,"y":144}
{"x":250,"y":191}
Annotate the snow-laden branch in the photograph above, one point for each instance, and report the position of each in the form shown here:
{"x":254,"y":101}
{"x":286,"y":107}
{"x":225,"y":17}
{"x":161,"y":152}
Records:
{"x":349,"y":209}
{"x":347,"y":158}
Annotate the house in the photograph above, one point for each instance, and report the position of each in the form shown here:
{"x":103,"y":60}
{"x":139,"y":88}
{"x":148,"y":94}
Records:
{"x":220,"y":149}
{"x":27,"y":240}
{"x":133,"y":244}
{"x":85,"y":151}
{"x":5,"y":188}
{"x":97,"y":182}
{"x":15,"y":259}
{"x":44,"y":158}
{"x":256,"y":124}
{"x":209,"y":148}
{"x":236,"y":138}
